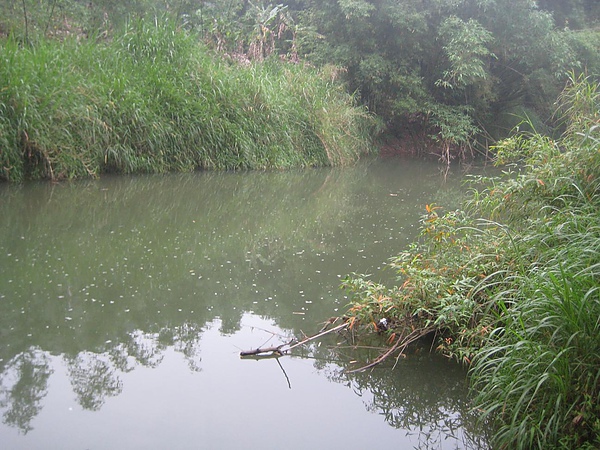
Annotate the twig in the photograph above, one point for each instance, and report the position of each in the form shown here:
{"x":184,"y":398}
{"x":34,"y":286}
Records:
{"x":281,"y":350}
{"x":274,"y":350}
{"x":283,"y":370}
{"x":318,"y":335}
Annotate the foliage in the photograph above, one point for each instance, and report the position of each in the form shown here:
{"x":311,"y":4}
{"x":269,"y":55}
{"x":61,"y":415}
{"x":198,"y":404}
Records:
{"x":472,"y":59}
{"x":465,"y":47}
{"x":444,"y":280}
{"x":475,"y":60}
{"x":537,"y":377}
{"x":152,"y":99}
{"x":511,"y":284}
{"x":575,"y":14}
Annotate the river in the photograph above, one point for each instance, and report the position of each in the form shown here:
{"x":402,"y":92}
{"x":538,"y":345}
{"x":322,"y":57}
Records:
{"x":125,"y":301}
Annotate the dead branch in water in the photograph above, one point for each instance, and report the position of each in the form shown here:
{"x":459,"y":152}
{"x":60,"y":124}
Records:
{"x":401,"y":343}
{"x":263,"y":351}
{"x":284,"y":349}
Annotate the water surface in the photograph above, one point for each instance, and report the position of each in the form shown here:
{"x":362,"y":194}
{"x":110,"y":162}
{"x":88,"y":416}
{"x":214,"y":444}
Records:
{"x":125,"y":301}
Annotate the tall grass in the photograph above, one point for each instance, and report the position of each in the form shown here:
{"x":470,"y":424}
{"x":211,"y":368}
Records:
{"x":538,"y":376}
{"x":153,"y":100}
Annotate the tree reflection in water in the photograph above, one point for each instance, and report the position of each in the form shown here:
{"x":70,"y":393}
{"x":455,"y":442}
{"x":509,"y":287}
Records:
{"x":430,"y":408}
{"x":93,"y":379}
{"x":93,"y":376}
{"x":433,"y":408}
{"x":23,"y":385}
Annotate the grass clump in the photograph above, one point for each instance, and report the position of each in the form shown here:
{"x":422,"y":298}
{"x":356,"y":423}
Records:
{"x":511,"y":284}
{"x":152,"y":99}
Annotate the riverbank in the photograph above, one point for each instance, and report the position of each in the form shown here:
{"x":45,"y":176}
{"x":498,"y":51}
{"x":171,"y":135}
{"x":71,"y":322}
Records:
{"x":509,"y":285}
{"x":152,"y":99}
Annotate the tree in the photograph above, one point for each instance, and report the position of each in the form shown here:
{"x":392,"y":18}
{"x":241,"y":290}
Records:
{"x":441,"y":68}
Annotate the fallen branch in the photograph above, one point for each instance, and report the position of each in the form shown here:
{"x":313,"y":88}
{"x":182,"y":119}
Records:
{"x":273,"y":350}
{"x":284,"y":349}
{"x":403,"y":342}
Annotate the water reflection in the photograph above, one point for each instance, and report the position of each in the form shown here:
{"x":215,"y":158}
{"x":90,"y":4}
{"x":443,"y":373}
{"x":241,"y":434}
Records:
{"x":24,"y":384}
{"x":423,"y":395}
{"x":106,"y":280}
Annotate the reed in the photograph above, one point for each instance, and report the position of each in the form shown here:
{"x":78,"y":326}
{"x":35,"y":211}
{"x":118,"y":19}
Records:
{"x":152,"y":99}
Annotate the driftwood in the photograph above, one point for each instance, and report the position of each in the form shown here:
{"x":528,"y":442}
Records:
{"x":274,"y":351}
{"x":284,"y":349}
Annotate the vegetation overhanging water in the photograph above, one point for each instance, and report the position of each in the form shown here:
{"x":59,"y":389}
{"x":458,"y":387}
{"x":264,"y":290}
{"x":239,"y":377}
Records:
{"x":152,"y":99}
{"x":509,"y":284}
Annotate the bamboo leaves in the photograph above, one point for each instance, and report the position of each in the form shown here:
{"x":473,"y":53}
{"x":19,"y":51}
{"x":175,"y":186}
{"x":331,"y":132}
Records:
{"x":465,"y":45}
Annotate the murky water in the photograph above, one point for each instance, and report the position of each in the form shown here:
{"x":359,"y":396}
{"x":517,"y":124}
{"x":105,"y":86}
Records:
{"x":124,"y":304}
